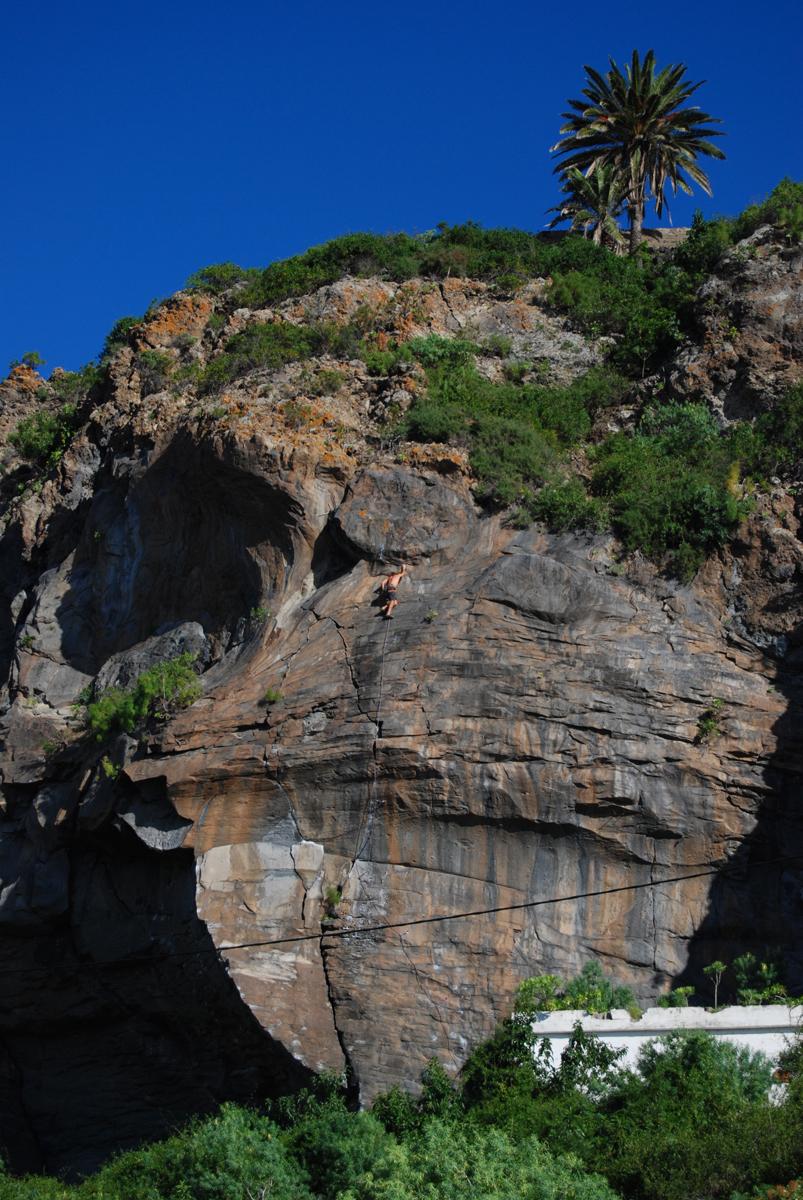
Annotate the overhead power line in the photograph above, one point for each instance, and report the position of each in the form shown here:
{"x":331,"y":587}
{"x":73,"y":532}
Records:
{"x":411,"y":922}
{"x":502,"y":908}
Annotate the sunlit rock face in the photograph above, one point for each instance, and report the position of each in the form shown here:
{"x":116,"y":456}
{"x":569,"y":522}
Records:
{"x":526,"y":727}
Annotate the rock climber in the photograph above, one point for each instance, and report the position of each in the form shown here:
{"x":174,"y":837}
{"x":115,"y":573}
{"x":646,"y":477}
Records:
{"x":389,"y":588}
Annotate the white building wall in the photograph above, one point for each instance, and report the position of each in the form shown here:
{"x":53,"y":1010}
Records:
{"x":768,"y":1028}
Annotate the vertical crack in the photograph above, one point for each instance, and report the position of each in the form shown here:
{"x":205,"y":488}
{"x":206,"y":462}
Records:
{"x":424,"y":990}
{"x":352,"y":1082}
{"x":354,"y":680}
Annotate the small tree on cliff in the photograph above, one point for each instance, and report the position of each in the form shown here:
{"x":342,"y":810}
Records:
{"x":638,"y":123}
{"x":592,"y":203}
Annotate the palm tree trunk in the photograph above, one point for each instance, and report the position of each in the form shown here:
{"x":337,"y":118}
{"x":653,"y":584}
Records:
{"x":636,"y":213}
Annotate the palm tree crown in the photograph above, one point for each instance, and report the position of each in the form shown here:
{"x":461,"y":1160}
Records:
{"x":636,"y":122}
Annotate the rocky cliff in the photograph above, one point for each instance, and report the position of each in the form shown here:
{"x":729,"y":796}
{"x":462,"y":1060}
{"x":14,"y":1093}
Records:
{"x":527,"y":726}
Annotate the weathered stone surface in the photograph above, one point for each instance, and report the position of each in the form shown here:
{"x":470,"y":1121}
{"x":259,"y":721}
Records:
{"x":395,"y":514}
{"x":751,"y":315}
{"x":120,"y":670}
{"x":525,"y":728}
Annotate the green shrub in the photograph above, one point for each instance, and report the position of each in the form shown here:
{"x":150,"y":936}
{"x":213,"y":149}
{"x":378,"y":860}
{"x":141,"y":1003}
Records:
{"x":31,"y":358}
{"x":335,"y":1147}
{"x":677,"y":998}
{"x":273,"y":696}
{"x":153,"y":367}
{"x":513,"y":431}
{"x":230,"y":1156}
{"x":449,"y":1162}
{"x":539,"y":993}
{"x":783,"y":208}
{"x":110,"y":770}
{"x":43,"y":437}
{"x":220,"y":277}
{"x":567,"y":505}
{"x":590,"y":991}
{"x":272,"y":346}
{"x":509,"y":459}
{"x":667,"y":487}
{"x":384,"y":362}
{"x":516,"y":372}
{"x":258,"y":346}
{"x":70,"y":387}
{"x":119,"y":335}
{"x":708,"y":724}
{"x":773,"y":444}
{"x":435,"y":351}
{"x":498,"y":345}
{"x":326,"y":382}
{"x":513,"y":1060}
{"x":705,"y":245}
{"x":156,"y":693}
{"x":684,"y":1124}
{"x":759,"y":981}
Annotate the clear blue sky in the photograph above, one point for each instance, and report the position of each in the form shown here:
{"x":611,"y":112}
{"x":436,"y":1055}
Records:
{"x":146,"y":140}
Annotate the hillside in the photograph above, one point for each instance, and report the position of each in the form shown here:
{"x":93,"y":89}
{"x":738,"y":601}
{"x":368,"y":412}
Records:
{"x":592,"y":678}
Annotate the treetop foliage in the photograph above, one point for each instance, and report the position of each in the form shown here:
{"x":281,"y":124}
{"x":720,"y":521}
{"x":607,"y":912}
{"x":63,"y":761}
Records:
{"x":693,"y":1118}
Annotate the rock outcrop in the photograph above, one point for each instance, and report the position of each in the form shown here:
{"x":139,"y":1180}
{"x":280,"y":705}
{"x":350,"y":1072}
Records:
{"x":751,"y":320}
{"x":182,"y":923}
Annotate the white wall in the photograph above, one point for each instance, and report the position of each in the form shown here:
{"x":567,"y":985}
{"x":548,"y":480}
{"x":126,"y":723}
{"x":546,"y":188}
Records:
{"x":767,"y":1028}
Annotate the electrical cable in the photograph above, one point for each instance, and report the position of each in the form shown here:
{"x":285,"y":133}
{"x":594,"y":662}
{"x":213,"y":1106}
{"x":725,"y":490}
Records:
{"x":377,"y":927}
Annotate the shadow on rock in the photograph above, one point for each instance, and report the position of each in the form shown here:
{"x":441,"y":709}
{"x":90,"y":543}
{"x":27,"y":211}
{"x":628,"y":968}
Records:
{"x":759,"y":908}
{"x":118,"y":1020}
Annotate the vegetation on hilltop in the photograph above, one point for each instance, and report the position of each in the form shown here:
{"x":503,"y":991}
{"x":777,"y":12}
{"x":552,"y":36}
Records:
{"x":671,"y":484}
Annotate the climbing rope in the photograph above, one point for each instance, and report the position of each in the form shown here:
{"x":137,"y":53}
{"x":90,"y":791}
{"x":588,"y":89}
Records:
{"x":381,"y":680}
{"x":366,"y":820}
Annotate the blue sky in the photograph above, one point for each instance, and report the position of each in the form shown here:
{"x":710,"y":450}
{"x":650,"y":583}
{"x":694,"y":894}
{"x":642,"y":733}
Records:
{"x":144,"y":141}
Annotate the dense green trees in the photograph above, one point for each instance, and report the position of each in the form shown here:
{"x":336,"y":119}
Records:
{"x":694,"y":1119}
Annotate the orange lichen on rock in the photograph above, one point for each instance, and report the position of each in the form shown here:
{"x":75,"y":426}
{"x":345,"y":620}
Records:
{"x":446,"y":460}
{"x":24,"y":379}
{"x":181,"y":314}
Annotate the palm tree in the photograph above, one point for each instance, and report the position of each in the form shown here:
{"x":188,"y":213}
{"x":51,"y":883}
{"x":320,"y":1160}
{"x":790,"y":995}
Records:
{"x":593,"y":203}
{"x":636,"y":123}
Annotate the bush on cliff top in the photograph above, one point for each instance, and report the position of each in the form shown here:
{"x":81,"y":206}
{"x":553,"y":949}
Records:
{"x":644,"y":303}
{"x":783,"y":209}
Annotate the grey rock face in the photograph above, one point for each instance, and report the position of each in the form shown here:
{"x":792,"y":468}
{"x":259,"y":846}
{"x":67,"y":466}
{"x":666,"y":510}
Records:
{"x":751,"y":316}
{"x":525,"y":728}
{"x":120,"y":670}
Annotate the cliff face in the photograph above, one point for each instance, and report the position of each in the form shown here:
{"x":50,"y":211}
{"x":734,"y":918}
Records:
{"x":527,"y":726}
